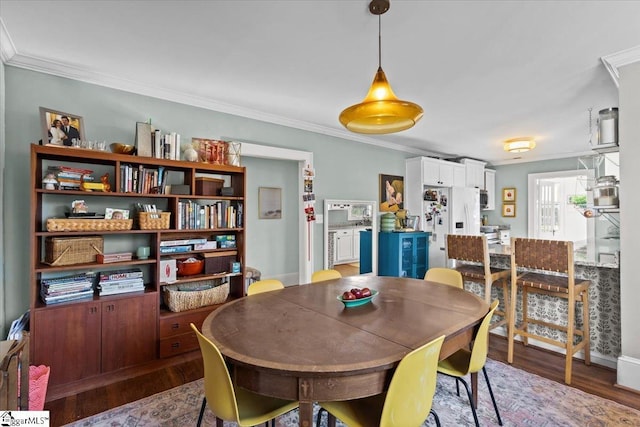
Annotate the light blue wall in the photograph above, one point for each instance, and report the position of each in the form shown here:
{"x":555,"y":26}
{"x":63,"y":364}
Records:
{"x":516,"y":175}
{"x":344,"y":169}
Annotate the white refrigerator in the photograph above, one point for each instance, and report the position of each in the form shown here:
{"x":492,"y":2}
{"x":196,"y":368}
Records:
{"x":453,"y":210}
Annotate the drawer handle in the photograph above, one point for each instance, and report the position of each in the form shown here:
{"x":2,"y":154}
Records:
{"x":175,"y":326}
{"x":175,"y":345}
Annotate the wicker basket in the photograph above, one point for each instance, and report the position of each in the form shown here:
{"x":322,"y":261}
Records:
{"x":154,"y":220}
{"x":78,"y":224}
{"x":72,"y":250}
{"x":180,"y":298}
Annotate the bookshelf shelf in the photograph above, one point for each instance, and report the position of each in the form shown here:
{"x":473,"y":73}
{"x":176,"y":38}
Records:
{"x":96,"y":329}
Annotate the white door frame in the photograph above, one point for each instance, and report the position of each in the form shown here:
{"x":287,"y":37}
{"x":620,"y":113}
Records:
{"x":305,"y":229}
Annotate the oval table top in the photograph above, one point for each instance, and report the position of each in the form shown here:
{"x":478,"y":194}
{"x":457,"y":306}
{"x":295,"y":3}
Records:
{"x":305,"y":334}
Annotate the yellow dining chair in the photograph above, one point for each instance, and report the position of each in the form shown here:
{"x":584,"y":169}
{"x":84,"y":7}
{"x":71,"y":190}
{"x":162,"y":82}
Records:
{"x":229,"y":403}
{"x":464,"y":362}
{"x":448,"y":276}
{"x":322,"y":275}
{"x":266,"y":285}
{"x":408,"y":400}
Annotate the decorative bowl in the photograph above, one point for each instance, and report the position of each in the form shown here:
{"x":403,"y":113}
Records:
{"x":119,"y":148}
{"x":190,"y":266}
{"x":359,"y":301}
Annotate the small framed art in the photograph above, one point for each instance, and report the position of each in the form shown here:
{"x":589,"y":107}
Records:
{"x":269,"y":203}
{"x":509,"y":194}
{"x":60,"y":128}
{"x":509,"y":210}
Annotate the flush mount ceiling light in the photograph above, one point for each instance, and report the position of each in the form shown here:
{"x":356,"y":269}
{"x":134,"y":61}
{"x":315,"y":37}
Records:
{"x":519,"y":145}
{"x":381,"y":111}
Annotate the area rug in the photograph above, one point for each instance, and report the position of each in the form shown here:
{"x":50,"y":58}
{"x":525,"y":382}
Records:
{"x":524,"y":399}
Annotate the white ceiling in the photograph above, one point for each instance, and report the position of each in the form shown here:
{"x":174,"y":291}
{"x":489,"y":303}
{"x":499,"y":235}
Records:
{"x":483,"y":71}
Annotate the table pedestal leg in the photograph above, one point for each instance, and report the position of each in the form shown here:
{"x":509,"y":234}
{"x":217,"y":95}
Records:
{"x":474,"y":388}
{"x":306,"y":414}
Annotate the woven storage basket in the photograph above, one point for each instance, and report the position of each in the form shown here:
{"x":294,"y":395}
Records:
{"x":72,"y":250}
{"x":154,"y":220}
{"x":182,"y":300}
{"x":77,"y":224}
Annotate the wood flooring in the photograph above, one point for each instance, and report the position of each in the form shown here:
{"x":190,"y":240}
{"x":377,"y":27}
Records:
{"x":592,"y":379}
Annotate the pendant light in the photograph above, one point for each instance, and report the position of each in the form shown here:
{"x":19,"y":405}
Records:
{"x":381,"y":111}
{"x":519,"y":145}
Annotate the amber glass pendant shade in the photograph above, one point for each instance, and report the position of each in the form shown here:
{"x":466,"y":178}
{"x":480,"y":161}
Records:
{"x":381,"y":111}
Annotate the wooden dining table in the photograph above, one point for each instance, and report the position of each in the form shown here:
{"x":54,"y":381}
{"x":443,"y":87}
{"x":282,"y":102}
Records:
{"x":301,"y":343}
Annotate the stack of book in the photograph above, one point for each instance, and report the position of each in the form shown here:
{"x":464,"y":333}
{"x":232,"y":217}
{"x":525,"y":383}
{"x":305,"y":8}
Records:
{"x":181,"y":246}
{"x":70,"y":178}
{"x":120,"y":281}
{"x":220,"y":214}
{"x":67,"y":288}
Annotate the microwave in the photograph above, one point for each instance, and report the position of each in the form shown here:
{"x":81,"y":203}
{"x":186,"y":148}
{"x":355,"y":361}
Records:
{"x":484,"y":199}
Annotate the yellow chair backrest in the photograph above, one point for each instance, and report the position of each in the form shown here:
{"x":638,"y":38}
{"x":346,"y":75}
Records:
{"x":447,"y":276}
{"x":321,"y":275}
{"x":218,"y":388}
{"x":266,"y":285}
{"x":410,"y":395}
{"x":481,"y":341}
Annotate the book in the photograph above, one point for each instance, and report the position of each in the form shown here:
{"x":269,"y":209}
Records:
{"x":64,"y":298}
{"x":182,"y":242}
{"x":116,"y":291}
{"x":131,"y":273}
{"x":175,"y":249}
{"x":68,"y":279}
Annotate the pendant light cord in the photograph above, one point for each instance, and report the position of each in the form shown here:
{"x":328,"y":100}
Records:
{"x":379,"y":42}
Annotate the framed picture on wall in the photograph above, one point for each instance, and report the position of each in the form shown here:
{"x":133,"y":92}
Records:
{"x":269,"y":203}
{"x":509,"y":194}
{"x":391,"y":189}
{"x":509,"y":210}
{"x":59,"y":128}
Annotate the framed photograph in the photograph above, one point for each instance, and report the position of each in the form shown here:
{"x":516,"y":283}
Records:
{"x":269,"y":203}
{"x":60,"y":128}
{"x":509,"y":195}
{"x":509,"y":210}
{"x":391,"y":192}
{"x":110,"y":213}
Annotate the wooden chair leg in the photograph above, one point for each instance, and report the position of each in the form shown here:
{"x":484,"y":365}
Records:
{"x":571,"y":318}
{"x":586,"y":330}
{"x":512,"y":321}
{"x":525,"y":314}
{"x":505,"y":301}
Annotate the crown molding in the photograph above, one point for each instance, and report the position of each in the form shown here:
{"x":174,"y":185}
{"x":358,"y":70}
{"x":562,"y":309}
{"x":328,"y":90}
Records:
{"x":616,"y":60}
{"x":7,"y":48}
{"x":10,"y":56}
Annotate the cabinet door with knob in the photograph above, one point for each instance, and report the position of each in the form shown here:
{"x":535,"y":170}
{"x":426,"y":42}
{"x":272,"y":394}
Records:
{"x":403,"y":254}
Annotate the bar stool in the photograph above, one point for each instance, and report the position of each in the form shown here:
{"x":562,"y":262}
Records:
{"x":554,"y":276}
{"x":471,"y":254}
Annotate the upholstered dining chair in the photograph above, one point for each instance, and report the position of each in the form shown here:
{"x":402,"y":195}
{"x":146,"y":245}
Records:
{"x":266,"y":285}
{"x":408,"y":400}
{"x":448,"y":276}
{"x":229,"y":403}
{"x":322,"y":275}
{"x":471,"y":255}
{"x":554,"y":276}
{"x":464,"y":362}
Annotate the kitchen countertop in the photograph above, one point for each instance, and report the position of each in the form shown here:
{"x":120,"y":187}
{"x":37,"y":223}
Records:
{"x":596,"y":254}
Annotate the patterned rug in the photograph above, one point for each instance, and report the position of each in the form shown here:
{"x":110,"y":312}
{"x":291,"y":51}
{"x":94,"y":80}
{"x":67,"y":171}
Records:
{"x":524,"y":399}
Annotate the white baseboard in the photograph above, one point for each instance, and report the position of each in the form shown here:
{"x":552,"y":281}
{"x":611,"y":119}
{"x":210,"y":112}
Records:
{"x":597,"y":358}
{"x":629,"y":372}
{"x":289,"y":279}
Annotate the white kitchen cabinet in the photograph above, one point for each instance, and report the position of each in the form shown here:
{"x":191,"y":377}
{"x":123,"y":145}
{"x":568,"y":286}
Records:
{"x":459,"y":175}
{"x":490,"y":187}
{"x":474,"y":173}
{"x":344,"y":245}
{"x":437,"y":172}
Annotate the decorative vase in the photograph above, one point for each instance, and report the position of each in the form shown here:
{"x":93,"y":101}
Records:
{"x":387,"y":222}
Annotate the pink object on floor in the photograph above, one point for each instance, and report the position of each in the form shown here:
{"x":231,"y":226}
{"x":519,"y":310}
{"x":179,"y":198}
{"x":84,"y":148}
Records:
{"x":38,"y":380}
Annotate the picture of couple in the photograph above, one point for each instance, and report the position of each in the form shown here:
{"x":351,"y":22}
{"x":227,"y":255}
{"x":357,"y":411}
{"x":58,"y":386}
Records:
{"x":61,"y":128}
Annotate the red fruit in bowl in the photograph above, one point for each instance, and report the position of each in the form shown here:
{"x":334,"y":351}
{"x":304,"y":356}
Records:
{"x":366,"y":292}
{"x":348,"y":296}
{"x":357,"y":292}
